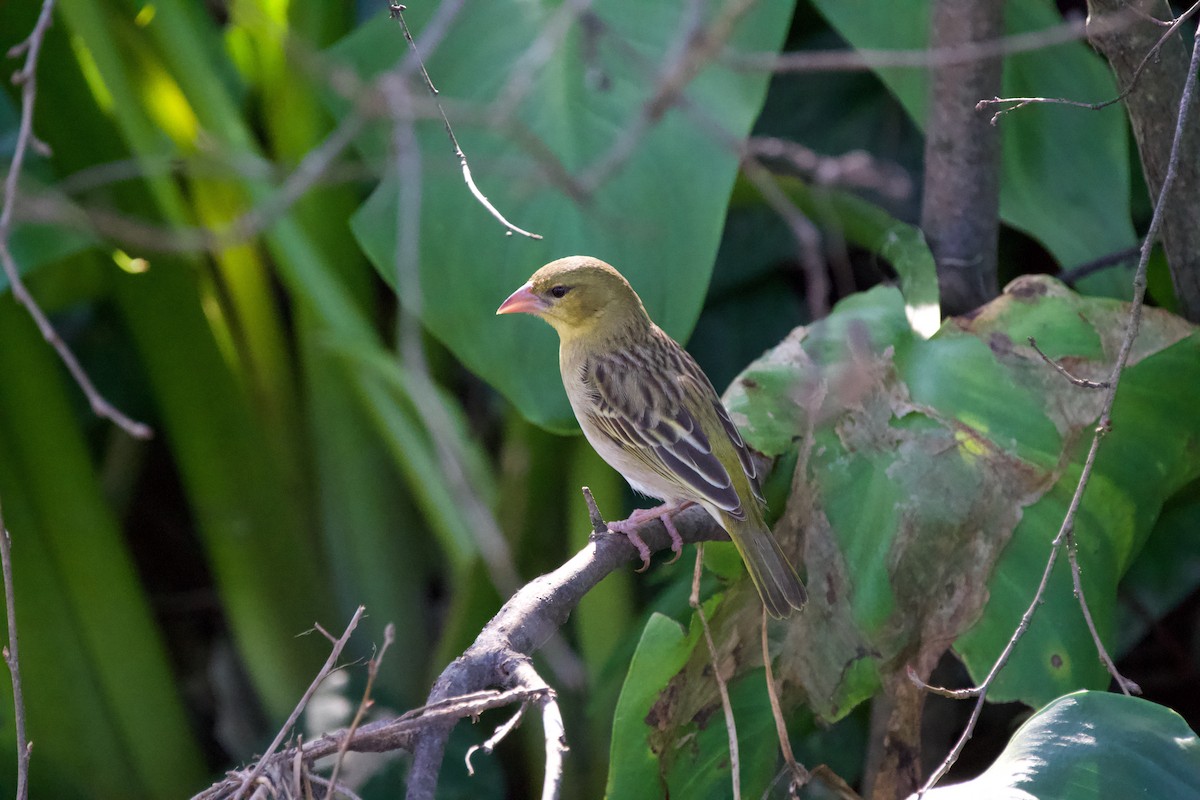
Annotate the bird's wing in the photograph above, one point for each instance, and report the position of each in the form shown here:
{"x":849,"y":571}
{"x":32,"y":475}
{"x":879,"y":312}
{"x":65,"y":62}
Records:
{"x":649,"y":401}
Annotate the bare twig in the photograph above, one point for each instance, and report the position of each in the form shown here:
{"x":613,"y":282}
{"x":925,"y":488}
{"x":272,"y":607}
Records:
{"x":1127,"y":686}
{"x":799,"y":776}
{"x":258,"y":768}
{"x":1105,"y":424}
{"x":804,"y":232}
{"x":502,"y":731}
{"x":397,"y":12}
{"x":376,"y":737}
{"x":389,"y":636}
{"x":552,"y":726}
{"x":1083,"y":383}
{"x":857,"y":168}
{"x":735,"y":768}
{"x":27,"y":78}
{"x":13,"y":661}
{"x":1021,"y":102}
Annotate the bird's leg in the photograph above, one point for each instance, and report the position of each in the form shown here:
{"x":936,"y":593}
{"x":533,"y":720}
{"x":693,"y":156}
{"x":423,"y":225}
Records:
{"x":629,"y":527}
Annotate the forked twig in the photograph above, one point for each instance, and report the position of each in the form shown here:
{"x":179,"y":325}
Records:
{"x":389,"y":636}
{"x":1021,"y":102}
{"x":258,"y":768}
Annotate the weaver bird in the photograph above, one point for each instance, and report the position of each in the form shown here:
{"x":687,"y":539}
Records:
{"x":650,"y":412}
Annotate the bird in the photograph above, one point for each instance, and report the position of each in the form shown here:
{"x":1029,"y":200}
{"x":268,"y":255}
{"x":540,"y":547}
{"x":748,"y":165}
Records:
{"x":648,"y":409}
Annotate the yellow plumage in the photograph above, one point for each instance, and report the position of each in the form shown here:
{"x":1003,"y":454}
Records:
{"x":649,"y":411}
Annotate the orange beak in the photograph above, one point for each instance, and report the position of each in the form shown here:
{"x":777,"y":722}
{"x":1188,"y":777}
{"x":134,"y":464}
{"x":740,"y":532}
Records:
{"x":522,"y":301}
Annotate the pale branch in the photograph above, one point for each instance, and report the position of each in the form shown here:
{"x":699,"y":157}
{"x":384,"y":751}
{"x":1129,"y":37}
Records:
{"x":26,"y":77}
{"x":330,"y":662}
{"x":554,"y":731}
{"x":1105,"y":425}
{"x":735,"y":759}
{"x":528,"y":620}
{"x":397,"y":12}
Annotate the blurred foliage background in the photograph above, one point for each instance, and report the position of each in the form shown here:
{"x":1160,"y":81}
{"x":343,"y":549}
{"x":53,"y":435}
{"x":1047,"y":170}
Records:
{"x":236,"y":195}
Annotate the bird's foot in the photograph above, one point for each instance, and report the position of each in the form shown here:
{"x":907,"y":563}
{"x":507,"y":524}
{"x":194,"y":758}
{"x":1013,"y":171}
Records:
{"x":629,"y":527}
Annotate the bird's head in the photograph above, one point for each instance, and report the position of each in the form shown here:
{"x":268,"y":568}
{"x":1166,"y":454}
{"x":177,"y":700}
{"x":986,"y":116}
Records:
{"x":579,"y":296}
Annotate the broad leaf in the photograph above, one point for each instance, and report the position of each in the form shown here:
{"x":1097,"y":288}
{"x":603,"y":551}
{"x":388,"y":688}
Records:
{"x":1091,"y":745}
{"x":657,"y":216}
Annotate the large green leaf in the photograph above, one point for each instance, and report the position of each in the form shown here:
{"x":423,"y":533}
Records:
{"x":935,"y":473}
{"x":1091,"y":745}
{"x":1065,"y":177}
{"x":657,"y":217}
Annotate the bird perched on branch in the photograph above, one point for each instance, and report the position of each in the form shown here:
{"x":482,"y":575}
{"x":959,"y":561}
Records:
{"x":650,"y":412}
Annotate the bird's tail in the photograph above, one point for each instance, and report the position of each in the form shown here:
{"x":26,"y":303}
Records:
{"x":772,"y":573}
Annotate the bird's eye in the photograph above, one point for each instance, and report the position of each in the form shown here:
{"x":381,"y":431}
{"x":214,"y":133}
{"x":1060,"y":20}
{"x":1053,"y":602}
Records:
{"x":559,"y":291}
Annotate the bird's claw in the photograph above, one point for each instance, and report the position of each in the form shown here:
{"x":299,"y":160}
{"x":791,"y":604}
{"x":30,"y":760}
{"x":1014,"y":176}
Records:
{"x":631,"y":534}
{"x":629,"y":527}
{"x":676,"y":539}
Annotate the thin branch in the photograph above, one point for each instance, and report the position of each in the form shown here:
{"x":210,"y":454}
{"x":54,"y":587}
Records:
{"x":498,"y":736}
{"x":389,"y":636}
{"x":1127,"y":686}
{"x":1105,"y":422}
{"x":397,"y":12}
{"x":26,"y":77}
{"x":1083,"y":383}
{"x":552,"y":725}
{"x":857,"y":168}
{"x":735,"y":763}
{"x":799,"y":776}
{"x":804,"y":233}
{"x":1021,"y":102}
{"x":12,"y":659}
{"x":295,"y":715}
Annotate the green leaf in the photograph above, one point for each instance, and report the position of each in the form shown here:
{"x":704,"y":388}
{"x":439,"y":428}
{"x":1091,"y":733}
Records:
{"x":1065,"y":173}
{"x":933,"y":475}
{"x":1091,"y":745}
{"x":657,"y":217}
{"x":633,"y":764}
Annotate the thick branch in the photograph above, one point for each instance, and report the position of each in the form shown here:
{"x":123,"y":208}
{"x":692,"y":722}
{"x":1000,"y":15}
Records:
{"x":1152,"y":105}
{"x":960,"y":210}
{"x":527,"y":620}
